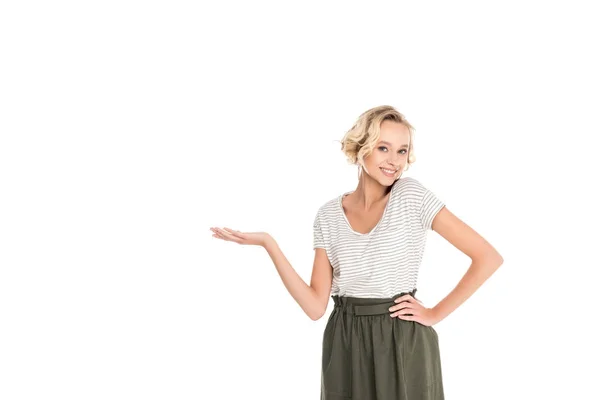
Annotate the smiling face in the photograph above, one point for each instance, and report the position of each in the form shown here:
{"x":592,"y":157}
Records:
{"x":389,"y":156}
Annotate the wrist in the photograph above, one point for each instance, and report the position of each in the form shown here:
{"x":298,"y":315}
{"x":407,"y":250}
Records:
{"x":268,"y":241}
{"x":437,"y":314}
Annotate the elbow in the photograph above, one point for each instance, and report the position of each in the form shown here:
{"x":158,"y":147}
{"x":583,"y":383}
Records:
{"x":317,"y":315}
{"x":492,"y":259}
{"x":499,"y":259}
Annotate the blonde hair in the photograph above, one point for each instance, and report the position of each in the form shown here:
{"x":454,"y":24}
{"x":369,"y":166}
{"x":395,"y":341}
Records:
{"x":360,"y":140}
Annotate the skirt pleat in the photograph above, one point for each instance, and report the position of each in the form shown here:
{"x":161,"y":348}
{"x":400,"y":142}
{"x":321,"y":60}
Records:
{"x":367,"y":355}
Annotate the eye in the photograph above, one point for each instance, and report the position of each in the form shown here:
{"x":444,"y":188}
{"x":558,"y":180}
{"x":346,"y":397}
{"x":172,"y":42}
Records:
{"x":385,"y":148}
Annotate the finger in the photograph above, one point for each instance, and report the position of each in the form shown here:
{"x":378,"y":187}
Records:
{"x":408,"y":318}
{"x":224,"y":235}
{"x":224,"y":232}
{"x":414,"y":302}
{"x":406,"y":297}
{"x":219,"y":235}
{"x":400,"y":306}
{"x":235,"y":233}
{"x":406,"y":311}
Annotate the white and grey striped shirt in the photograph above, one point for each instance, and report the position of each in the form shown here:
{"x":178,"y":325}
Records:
{"x":385,"y":261}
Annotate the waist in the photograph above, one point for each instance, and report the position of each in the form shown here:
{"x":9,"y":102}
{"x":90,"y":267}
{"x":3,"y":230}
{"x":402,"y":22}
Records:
{"x":367,"y":306}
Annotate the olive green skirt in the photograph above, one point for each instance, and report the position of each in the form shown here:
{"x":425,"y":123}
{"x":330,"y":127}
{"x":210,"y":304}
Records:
{"x":368,"y":355}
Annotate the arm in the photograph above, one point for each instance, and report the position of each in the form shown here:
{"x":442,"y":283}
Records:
{"x":312,"y":299}
{"x":485,"y":260}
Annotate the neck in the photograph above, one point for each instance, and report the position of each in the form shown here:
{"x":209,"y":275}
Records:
{"x":369,"y":193}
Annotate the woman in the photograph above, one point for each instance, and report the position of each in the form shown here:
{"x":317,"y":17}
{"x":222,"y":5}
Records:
{"x":379,"y":342}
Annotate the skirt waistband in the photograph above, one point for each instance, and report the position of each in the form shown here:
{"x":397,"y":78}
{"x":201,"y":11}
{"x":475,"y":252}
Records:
{"x":367,"y":306}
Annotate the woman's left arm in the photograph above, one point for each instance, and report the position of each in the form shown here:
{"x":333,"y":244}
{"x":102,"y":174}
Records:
{"x":485,"y":259}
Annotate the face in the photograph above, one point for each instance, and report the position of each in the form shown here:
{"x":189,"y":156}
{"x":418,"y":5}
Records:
{"x":389,"y":157}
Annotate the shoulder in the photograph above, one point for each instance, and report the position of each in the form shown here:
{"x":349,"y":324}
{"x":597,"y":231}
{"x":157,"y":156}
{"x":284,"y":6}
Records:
{"x":328,"y":207}
{"x":409,"y":185}
{"x":413,"y":191}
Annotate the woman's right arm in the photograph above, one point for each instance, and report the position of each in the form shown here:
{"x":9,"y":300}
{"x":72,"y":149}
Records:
{"x":312,"y":298}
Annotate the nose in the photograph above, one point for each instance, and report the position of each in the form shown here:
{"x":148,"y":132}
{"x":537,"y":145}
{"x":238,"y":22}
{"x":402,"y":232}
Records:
{"x":395,"y":159}
{"x":394,"y":163}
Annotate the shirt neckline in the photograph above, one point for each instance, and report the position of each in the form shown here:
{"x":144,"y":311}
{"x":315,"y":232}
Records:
{"x":385,"y":210}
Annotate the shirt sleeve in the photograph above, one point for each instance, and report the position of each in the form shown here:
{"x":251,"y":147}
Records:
{"x":318,"y":241}
{"x":428,"y":206}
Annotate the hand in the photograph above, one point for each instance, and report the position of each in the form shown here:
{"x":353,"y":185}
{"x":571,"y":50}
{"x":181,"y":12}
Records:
{"x":409,"y":305}
{"x":230,"y":235}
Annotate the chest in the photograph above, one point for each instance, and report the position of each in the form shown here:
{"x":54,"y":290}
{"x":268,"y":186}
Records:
{"x":362,"y":221}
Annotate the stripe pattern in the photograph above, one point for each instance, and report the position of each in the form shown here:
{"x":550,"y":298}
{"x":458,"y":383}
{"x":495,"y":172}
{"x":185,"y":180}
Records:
{"x":385,"y":261}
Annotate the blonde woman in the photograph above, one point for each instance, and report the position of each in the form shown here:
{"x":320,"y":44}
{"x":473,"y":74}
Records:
{"x":379,"y":342}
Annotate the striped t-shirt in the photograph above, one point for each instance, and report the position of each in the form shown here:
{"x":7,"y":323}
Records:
{"x":385,"y":261}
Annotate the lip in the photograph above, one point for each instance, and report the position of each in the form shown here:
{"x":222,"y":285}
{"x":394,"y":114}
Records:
{"x":388,"y":175}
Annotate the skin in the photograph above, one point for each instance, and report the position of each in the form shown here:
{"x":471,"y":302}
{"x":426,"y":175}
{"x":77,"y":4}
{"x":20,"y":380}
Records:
{"x":364,"y":208}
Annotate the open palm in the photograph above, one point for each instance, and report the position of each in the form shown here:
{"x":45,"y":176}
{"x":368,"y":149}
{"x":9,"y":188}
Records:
{"x":231,"y":235}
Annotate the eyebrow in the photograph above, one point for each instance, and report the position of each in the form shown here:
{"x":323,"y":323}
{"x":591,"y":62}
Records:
{"x":389,"y":144}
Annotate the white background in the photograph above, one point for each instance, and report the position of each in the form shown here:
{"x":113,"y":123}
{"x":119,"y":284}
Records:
{"x":128,"y":129}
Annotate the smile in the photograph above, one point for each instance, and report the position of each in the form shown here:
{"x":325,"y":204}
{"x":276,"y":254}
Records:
{"x":388,"y":172}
